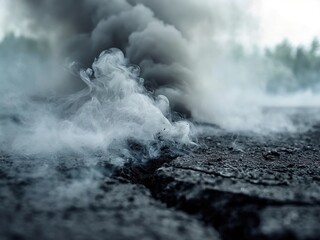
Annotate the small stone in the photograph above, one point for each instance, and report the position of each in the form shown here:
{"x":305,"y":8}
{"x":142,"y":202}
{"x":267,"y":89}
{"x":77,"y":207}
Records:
{"x":271,"y":155}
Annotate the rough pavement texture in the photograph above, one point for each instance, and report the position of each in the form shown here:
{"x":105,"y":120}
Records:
{"x":65,"y":205}
{"x":249,"y":187}
{"x":234,"y":186}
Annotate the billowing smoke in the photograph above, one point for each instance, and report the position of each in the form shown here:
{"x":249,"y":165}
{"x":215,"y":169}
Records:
{"x":85,"y":28}
{"x":111,"y":115}
{"x":181,"y":49}
{"x":99,"y":83}
{"x":157,"y":36}
{"x":113,"y":81}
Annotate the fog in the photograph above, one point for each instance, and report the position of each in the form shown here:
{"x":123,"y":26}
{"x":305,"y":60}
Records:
{"x":170,"y":64}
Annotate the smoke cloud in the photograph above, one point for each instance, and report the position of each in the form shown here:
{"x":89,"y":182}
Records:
{"x":113,"y":114}
{"x":157,"y":36}
{"x":184,"y":53}
{"x":115,"y":80}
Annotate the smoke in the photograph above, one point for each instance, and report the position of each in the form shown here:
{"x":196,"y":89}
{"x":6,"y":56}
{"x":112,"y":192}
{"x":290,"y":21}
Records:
{"x":132,"y":27}
{"x":113,"y":111}
{"x":110,"y":81}
{"x":70,"y":143}
{"x":111,"y":106}
{"x":157,"y":36}
{"x":184,"y":52}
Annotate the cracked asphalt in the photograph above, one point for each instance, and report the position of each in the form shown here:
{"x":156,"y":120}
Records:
{"x":233,"y":186}
{"x":266,"y":188}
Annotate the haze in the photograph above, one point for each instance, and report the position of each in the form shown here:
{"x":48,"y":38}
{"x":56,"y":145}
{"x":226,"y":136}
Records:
{"x":274,"y":21}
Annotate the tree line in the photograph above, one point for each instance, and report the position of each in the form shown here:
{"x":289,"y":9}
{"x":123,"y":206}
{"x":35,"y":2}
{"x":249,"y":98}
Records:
{"x":295,"y":68}
{"x":285,"y":67}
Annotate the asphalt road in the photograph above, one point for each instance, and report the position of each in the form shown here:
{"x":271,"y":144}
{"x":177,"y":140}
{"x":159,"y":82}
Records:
{"x":233,"y":186}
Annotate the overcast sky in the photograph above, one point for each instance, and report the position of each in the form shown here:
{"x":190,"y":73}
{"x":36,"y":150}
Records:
{"x":297,"y":20}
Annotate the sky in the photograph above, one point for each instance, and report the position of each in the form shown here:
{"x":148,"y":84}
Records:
{"x":296,"y":20}
{"x":9,"y":20}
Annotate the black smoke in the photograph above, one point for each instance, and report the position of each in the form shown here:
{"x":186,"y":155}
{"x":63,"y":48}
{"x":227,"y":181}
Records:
{"x":152,"y":34}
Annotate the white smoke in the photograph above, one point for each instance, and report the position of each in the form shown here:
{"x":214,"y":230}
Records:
{"x":185,"y":54}
{"x":112,"y":109}
{"x":233,"y":94}
{"x":183,"y":46}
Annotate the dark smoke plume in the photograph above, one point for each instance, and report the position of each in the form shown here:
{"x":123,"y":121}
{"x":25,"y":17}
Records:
{"x":152,"y":34}
{"x":185,"y":49}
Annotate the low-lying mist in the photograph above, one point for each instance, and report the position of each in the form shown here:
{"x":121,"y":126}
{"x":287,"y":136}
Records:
{"x":113,"y":111}
{"x":87,"y":84}
{"x":257,"y":90}
{"x":188,"y":65}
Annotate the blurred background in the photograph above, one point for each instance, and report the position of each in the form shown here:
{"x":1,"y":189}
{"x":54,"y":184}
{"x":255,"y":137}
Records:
{"x":255,"y":54}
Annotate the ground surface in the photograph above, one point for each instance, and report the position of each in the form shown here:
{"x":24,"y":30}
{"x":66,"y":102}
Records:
{"x":234,"y":186}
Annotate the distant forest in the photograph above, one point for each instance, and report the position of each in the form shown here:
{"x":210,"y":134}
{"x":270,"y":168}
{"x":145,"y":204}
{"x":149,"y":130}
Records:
{"x":298,"y":67}
{"x":12,"y":44}
{"x":20,"y":59}
{"x":286,"y":68}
